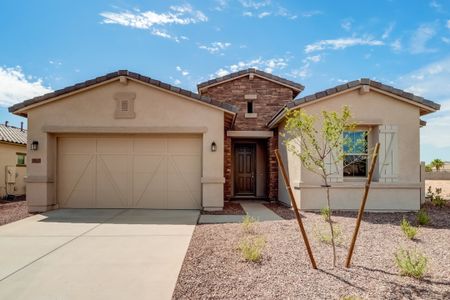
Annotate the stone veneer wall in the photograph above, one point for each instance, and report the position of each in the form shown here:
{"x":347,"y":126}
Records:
{"x":270,"y":98}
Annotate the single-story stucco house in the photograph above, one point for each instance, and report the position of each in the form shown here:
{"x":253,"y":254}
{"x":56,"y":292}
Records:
{"x":126,"y":140}
{"x":13,"y":151}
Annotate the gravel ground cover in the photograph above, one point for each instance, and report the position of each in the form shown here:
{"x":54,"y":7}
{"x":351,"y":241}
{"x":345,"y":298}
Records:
{"x":213,"y":267}
{"x":229,"y":208}
{"x":13,"y":211}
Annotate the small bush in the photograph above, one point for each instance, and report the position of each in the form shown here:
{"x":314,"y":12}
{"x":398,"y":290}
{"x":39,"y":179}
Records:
{"x":251,"y":248}
{"x":411,"y":263}
{"x":409,"y":230}
{"x":436,"y":198}
{"x":422,"y":217}
{"x":326,"y":212}
{"x":351,"y":297}
{"x":248,"y":224}
{"x":324,"y":235}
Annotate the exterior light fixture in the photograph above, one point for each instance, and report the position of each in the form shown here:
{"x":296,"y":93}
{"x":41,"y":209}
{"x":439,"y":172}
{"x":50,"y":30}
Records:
{"x":34,"y":145}
{"x":213,"y":147}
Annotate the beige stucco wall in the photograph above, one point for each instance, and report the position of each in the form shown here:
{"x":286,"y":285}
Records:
{"x":372,"y":108}
{"x":8,"y":157}
{"x":94,"y":108}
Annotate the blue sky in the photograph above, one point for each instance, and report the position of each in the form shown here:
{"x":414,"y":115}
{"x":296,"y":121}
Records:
{"x":47,"y":45}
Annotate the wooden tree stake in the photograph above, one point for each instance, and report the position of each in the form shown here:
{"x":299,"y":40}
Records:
{"x":294,"y":205}
{"x":363,"y":205}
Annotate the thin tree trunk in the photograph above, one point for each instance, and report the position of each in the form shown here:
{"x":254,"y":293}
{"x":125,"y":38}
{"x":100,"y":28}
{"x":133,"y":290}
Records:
{"x":330,"y":222}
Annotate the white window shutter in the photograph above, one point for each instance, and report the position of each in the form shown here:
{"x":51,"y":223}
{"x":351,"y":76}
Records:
{"x":388,"y":156}
{"x":334,"y":167}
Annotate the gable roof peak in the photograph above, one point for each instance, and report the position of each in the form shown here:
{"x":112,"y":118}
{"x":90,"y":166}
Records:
{"x":296,"y":87}
{"x":114,"y":75}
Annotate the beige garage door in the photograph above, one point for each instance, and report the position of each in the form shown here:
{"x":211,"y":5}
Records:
{"x":157,"y":171}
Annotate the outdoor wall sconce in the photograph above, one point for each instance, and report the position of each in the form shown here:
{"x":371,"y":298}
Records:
{"x":34,"y":145}
{"x":213,"y":147}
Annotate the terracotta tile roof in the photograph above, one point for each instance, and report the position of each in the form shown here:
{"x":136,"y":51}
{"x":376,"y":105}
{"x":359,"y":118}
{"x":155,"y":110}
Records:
{"x":349,"y":85}
{"x":136,"y":76}
{"x":14,"y":135}
{"x":294,"y":85}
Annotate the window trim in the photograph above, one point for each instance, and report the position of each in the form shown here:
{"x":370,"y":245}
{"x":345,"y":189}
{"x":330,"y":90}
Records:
{"x":366,"y":154}
{"x":24,"y":159}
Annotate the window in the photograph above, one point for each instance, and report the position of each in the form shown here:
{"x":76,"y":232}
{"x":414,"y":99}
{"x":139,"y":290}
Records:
{"x":21,"y":159}
{"x":250,"y":107}
{"x":356,"y":154}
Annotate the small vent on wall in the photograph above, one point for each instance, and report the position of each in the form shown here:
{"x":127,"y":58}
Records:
{"x":124,"y":105}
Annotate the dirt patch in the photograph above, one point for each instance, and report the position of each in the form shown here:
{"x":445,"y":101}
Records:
{"x":229,"y":208}
{"x":213,"y":268}
{"x":13,"y":211}
{"x":281,"y":210}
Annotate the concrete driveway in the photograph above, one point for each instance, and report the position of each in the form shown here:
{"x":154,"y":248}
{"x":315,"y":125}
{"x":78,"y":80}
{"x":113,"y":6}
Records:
{"x":95,"y":254}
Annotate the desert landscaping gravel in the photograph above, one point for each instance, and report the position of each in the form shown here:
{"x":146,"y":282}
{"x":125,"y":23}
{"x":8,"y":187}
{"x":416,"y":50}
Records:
{"x":213,"y":267}
{"x":13,"y":211}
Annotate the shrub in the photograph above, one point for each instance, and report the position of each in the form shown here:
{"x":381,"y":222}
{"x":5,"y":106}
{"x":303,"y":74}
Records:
{"x":251,"y":248}
{"x":248,"y":224}
{"x":436,"y":198}
{"x":324,"y":235}
{"x":409,"y":230}
{"x":326,"y":212}
{"x":422,"y":217}
{"x":411,"y":263}
{"x":351,"y":297}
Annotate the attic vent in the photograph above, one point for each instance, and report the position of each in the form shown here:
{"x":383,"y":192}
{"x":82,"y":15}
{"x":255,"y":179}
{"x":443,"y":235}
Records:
{"x":124,"y":105}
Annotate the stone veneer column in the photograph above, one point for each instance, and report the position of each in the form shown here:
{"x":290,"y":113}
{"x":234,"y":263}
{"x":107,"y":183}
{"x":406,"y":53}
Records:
{"x":227,"y":149}
{"x":272,"y":178}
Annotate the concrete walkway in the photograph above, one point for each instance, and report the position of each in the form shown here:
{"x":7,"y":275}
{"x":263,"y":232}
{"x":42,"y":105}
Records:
{"x":252,"y":208}
{"x":95,"y":254}
{"x":259,"y":211}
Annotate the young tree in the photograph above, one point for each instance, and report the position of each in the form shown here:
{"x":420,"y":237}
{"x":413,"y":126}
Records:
{"x":437,"y":163}
{"x":319,"y":142}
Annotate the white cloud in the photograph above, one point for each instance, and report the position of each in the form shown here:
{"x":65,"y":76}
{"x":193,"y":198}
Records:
{"x":342,"y":43}
{"x":305,"y":69}
{"x":421,"y":37}
{"x":264,"y":14}
{"x":347,"y":24}
{"x":448,"y":24}
{"x":445,"y":40}
{"x":215,"y":47}
{"x":252,"y":4}
{"x":182,"y":71}
{"x":312,"y":13}
{"x":221,"y":4}
{"x":267,"y":65}
{"x":177,"y":81}
{"x":396,"y":45}
{"x":265,"y":8}
{"x":436,"y":5}
{"x":179,"y":15}
{"x":432,"y":82}
{"x":15,"y":86}
{"x":388,"y":30}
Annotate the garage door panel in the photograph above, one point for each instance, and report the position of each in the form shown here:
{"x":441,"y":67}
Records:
{"x":113,"y":181}
{"x":150,"y":188}
{"x":160,"y":171}
{"x":77,"y":145}
{"x":185,"y":145}
{"x":114,"y":145}
{"x":78,"y":187}
{"x":149,"y":145}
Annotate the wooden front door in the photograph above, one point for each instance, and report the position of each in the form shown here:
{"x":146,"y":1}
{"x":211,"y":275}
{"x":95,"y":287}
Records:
{"x":245,"y":169}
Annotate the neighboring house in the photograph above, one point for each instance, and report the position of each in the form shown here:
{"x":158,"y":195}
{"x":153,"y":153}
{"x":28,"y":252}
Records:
{"x":126,"y":140}
{"x":13,"y":149}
